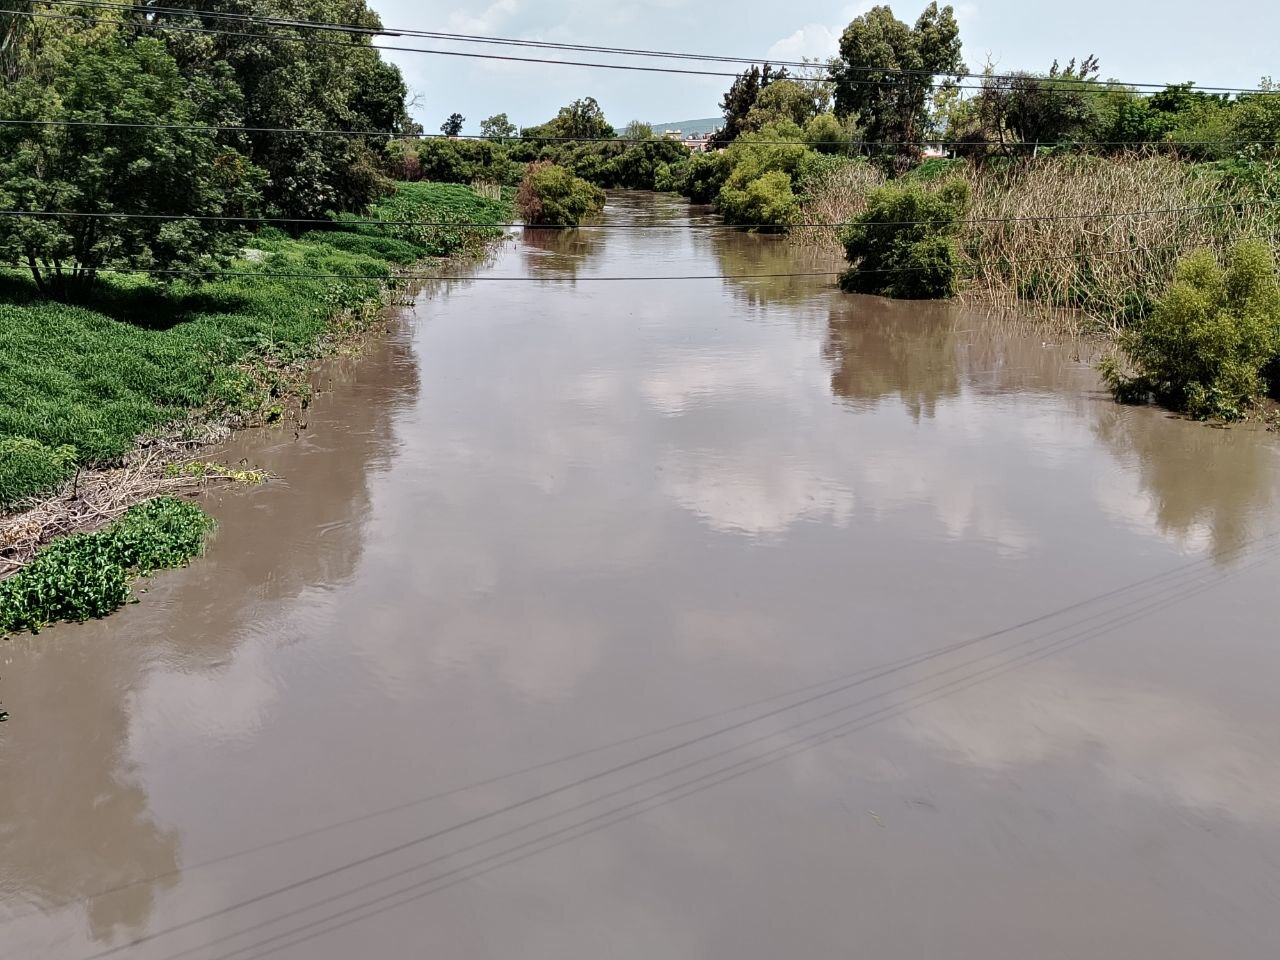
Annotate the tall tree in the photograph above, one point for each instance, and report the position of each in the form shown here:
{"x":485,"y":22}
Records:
{"x":498,"y":127}
{"x":298,"y":78}
{"x":886,"y":72}
{"x":168,"y":173}
{"x":453,"y":125}
{"x":741,"y":97}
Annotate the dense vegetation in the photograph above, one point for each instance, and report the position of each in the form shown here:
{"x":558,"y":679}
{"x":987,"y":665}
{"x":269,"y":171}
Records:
{"x":1212,"y":340}
{"x":551,"y":196}
{"x":93,"y":376}
{"x":87,"y":574}
{"x":904,"y":245}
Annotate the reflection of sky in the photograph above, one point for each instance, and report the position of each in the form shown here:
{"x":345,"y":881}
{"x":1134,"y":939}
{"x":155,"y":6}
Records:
{"x":598,"y":508}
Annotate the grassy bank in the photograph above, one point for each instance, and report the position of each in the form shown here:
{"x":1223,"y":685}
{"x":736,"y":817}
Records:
{"x":85,"y":383}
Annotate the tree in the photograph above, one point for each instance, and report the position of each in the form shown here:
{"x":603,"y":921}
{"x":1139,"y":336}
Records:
{"x":341,"y":84}
{"x":782,"y":100}
{"x":904,"y":244}
{"x":498,"y":128}
{"x":166,"y":173}
{"x":637,"y":130}
{"x":581,"y":120}
{"x":550,"y":195}
{"x":1204,"y":348}
{"x":1038,"y":109}
{"x":453,"y":126}
{"x":885,"y":75}
{"x":741,"y":97}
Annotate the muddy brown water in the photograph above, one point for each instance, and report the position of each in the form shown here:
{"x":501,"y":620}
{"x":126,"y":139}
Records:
{"x":735,"y":619}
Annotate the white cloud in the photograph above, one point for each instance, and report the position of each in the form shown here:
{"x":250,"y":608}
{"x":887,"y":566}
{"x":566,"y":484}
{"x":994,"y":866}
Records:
{"x":813,"y":40}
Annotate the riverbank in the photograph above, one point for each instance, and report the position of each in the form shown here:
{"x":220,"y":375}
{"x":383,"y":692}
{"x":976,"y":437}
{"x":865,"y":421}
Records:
{"x":113,"y":394}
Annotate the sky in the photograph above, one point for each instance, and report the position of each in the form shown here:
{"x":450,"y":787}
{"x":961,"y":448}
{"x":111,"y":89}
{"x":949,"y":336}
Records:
{"x":1228,"y":43}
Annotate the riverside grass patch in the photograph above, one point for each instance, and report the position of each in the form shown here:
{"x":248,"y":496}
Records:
{"x":93,"y":376}
{"x":87,"y":575}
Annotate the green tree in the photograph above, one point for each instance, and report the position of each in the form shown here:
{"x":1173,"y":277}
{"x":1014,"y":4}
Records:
{"x":885,"y":74}
{"x":339,"y":84}
{"x":904,"y":245}
{"x":1205,"y":347}
{"x":453,"y":125}
{"x":780,"y":101}
{"x":581,"y":120}
{"x":550,"y":195}
{"x":166,"y":173}
{"x":741,"y":97}
{"x":499,"y":128}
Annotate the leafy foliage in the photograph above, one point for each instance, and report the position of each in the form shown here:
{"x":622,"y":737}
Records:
{"x":87,"y":574}
{"x":552,"y":196}
{"x":741,"y":97}
{"x":28,"y":467}
{"x":768,"y":200}
{"x":96,"y":378}
{"x":1204,"y":348}
{"x":885,"y":74}
{"x":904,"y":244}
{"x":453,"y":125}
{"x":164,"y":172}
{"x":342,"y":84}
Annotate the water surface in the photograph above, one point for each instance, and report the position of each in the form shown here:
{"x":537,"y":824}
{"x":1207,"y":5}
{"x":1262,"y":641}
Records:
{"x":857,"y":628}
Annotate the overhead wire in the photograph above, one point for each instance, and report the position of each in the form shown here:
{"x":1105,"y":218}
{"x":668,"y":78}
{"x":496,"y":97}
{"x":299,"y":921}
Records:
{"x":382,"y":30}
{"x":900,"y":663}
{"x":397,"y":276}
{"x":1075,"y":85}
{"x":539,"y":139}
{"x":370,"y":222}
{"x":1178,"y":592}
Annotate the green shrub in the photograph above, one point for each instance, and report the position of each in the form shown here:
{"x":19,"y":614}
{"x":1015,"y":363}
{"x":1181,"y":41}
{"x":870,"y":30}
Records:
{"x":550,"y":195}
{"x":28,"y":467}
{"x":904,"y":244}
{"x":767,"y":201}
{"x":699,"y":178}
{"x":87,"y":574}
{"x":1205,"y":347}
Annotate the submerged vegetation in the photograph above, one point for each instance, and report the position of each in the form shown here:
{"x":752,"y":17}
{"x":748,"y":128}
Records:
{"x":87,"y":575}
{"x":551,"y":196}
{"x":1207,"y":346}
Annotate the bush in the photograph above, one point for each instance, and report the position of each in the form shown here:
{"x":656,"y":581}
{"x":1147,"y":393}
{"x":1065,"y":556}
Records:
{"x":904,"y":245}
{"x":28,"y":467}
{"x":767,"y":201}
{"x":1204,"y":348}
{"x":87,"y":574}
{"x":699,"y":178}
{"x":550,"y":195}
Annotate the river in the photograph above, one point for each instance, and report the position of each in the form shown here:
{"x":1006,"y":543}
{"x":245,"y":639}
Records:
{"x":692,"y":619}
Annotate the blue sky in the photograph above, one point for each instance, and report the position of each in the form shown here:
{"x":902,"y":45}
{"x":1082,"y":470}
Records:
{"x":1229,"y":43}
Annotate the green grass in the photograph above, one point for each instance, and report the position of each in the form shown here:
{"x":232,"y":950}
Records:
{"x":87,"y":574}
{"x":95,"y":376}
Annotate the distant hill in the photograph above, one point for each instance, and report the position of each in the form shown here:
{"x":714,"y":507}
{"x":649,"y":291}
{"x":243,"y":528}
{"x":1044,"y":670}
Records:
{"x":686,"y":127}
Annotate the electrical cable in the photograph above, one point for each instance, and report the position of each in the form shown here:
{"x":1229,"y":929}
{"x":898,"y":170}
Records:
{"x":361,"y":29}
{"x":320,"y":221}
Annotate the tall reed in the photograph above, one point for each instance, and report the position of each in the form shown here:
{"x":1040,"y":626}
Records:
{"x":1067,"y":231}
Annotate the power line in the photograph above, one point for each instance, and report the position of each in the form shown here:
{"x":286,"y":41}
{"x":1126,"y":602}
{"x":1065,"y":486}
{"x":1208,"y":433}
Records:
{"x":396,"y":277}
{"x":1076,"y":86}
{"x":744,"y":139}
{"x":1177,"y":590}
{"x":477,"y":225}
{"x":901,"y":663}
{"x":714,"y":777}
{"x":361,"y":29}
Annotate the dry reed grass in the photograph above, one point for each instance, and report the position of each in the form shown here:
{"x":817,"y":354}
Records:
{"x":96,"y":497}
{"x":1111,"y":268}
